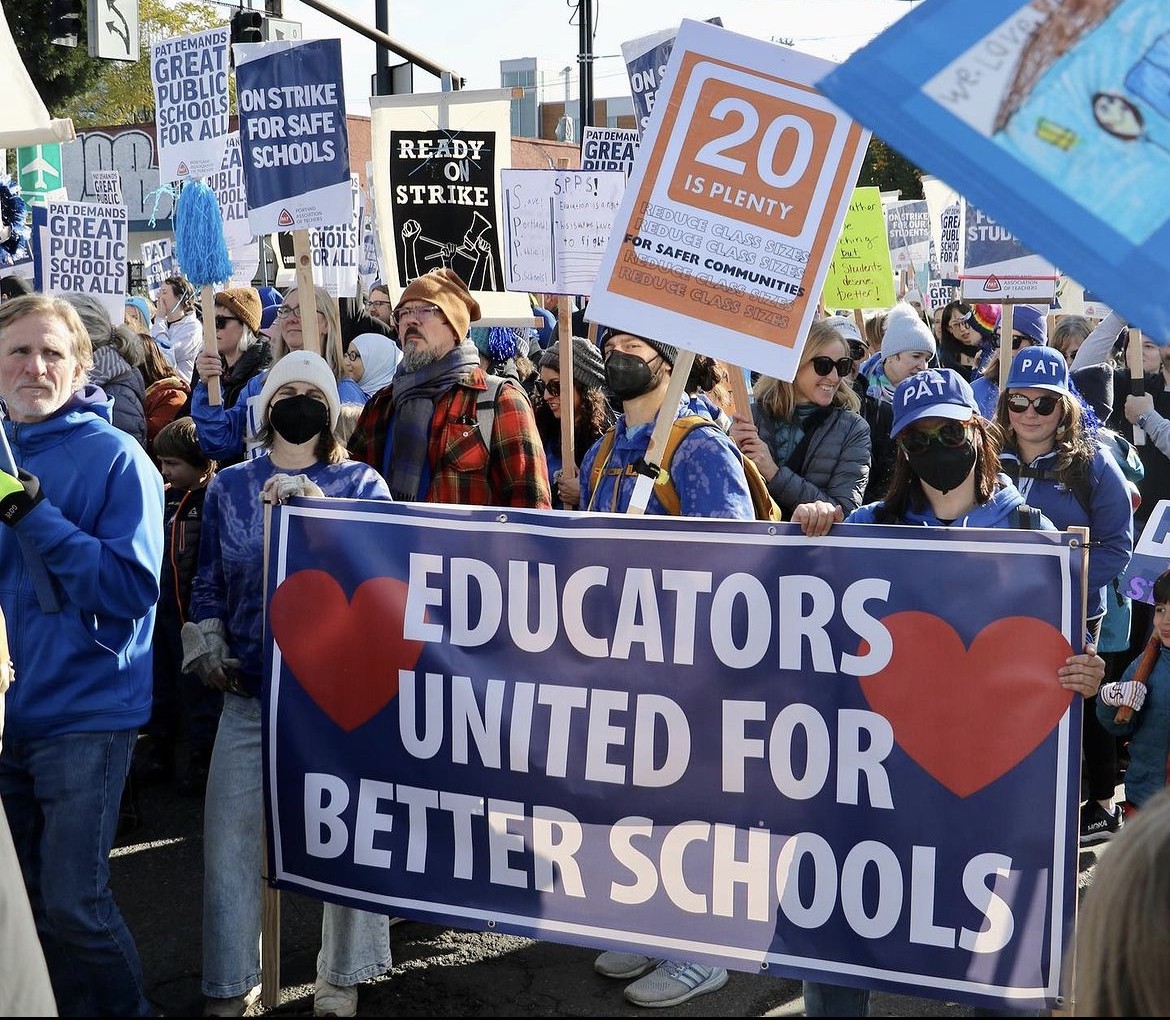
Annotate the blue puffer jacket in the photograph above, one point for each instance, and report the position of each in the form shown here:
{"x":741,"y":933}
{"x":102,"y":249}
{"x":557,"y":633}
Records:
{"x":99,"y":530}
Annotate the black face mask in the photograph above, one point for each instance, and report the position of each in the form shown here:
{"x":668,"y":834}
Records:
{"x":299,"y":419}
{"x":627,"y":375}
{"x":943,"y":467}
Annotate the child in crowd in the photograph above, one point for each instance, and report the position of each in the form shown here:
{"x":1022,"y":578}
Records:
{"x":1143,"y":693}
{"x":183,"y":707}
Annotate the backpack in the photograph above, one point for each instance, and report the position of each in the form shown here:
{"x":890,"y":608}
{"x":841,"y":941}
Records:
{"x":764,"y":505}
{"x":1081,"y":487}
{"x":485,"y":407}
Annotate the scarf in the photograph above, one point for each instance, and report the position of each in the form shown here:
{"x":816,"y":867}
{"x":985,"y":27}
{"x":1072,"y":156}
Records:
{"x":880,"y":387}
{"x":380,"y":357}
{"x":413,"y":400}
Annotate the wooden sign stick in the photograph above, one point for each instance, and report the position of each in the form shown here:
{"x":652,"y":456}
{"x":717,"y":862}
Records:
{"x":303,"y":254}
{"x":565,"y":339}
{"x":210,"y":345}
{"x":644,"y":485}
{"x":1137,"y":375}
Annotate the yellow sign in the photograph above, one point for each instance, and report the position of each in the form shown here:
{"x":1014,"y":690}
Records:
{"x":860,"y":274}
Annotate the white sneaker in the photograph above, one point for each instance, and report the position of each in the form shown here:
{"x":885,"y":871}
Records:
{"x":673,"y":982}
{"x":334,"y":1000}
{"x":235,"y":1005}
{"x":625,"y":966}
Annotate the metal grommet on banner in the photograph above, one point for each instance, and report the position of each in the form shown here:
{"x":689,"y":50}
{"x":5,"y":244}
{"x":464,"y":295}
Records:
{"x":501,"y":518}
{"x":491,"y":923}
{"x":771,"y":529}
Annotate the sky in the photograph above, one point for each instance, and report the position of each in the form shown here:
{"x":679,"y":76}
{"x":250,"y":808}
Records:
{"x":473,"y":36}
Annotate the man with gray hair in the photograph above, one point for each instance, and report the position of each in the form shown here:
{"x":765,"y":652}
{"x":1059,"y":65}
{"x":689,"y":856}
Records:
{"x":81,"y":544}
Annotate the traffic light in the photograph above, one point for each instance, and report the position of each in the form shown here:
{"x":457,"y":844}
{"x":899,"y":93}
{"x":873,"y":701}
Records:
{"x":65,"y":22}
{"x":247,"y":27}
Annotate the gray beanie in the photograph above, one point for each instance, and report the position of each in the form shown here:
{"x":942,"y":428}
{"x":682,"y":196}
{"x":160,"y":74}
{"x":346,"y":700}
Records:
{"x":668,"y":352}
{"x":588,"y":368}
{"x":905,"y":331}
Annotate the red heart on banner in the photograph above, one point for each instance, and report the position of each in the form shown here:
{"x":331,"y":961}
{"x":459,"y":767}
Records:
{"x":346,"y":655}
{"x":967,"y":735}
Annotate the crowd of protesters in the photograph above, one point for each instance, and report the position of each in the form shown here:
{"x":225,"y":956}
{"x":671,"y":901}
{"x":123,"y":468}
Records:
{"x":133,"y":524}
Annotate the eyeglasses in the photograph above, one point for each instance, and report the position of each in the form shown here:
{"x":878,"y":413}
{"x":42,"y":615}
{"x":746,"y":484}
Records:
{"x":420,"y":312}
{"x":552,"y":388}
{"x":824,"y":365}
{"x":1044,"y":405}
{"x":1019,"y":340}
{"x":377,"y":304}
{"x":950,"y":433}
{"x":964,"y":322}
{"x":221,"y":321}
{"x":353,"y":354}
{"x":290,"y":311}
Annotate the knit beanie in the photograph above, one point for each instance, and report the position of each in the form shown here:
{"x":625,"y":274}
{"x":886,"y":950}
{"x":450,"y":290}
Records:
{"x":305,"y":367}
{"x":444,"y":288}
{"x":905,"y":331}
{"x":588,"y":368}
{"x":244,"y":304}
{"x":1030,"y":321}
{"x":668,"y":352}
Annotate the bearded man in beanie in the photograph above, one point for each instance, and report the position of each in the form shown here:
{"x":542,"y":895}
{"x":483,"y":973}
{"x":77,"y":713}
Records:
{"x":421,"y":432}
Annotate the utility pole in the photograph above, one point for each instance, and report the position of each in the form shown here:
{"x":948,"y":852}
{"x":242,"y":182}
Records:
{"x":585,"y":60}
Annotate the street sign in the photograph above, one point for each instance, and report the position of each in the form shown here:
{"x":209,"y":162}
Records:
{"x":113,"y":29}
{"x":38,"y":171}
{"x":281,"y":28}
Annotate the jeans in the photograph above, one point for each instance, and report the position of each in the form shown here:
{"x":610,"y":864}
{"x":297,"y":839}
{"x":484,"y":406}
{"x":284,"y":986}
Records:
{"x":355,"y":944}
{"x":61,"y":797}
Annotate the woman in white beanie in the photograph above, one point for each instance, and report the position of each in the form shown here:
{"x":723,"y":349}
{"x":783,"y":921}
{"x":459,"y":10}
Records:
{"x":223,"y":643}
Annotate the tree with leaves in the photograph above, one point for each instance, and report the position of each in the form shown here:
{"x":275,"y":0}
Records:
{"x":888,"y":170}
{"x":60,"y":72}
{"x":121,"y":92}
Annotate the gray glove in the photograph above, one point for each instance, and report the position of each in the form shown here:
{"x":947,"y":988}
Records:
{"x":205,"y":649}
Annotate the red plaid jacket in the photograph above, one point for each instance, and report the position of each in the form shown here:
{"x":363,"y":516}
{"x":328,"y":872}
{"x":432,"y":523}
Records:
{"x":463,"y":470}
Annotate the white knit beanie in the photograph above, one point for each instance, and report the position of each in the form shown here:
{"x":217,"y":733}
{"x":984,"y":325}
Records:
{"x":306,"y":367}
{"x":905,"y":331}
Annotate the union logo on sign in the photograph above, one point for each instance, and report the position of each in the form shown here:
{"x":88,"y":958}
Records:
{"x":992,"y":285}
{"x":183,"y":168}
{"x":285,"y":219}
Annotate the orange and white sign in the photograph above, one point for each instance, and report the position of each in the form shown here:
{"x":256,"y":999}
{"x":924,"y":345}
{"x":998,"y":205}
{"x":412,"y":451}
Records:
{"x":734,"y":204}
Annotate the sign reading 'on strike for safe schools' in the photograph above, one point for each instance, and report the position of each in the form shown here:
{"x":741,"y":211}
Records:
{"x":293,"y":134}
{"x":735,"y":201}
{"x":735,"y":746}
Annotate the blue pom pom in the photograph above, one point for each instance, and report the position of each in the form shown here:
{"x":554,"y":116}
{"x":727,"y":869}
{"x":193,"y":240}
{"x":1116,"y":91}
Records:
{"x":12,"y":215}
{"x":199,"y":243}
{"x":501,"y":343}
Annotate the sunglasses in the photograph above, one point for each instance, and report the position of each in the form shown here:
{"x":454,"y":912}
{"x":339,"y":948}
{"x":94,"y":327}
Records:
{"x":1044,"y":405}
{"x":1019,"y":341}
{"x":420,"y":312}
{"x":952,"y":434}
{"x":824,"y":365}
{"x":221,"y":321}
{"x":552,"y":388}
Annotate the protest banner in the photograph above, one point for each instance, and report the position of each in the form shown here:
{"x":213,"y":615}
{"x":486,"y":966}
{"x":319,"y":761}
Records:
{"x":734,"y":205}
{"x":437,"y":160}
{"x":84,"y":252}
{"x":106,"y":187}
{"x":293,"y":134}
{"x":370,"y":256}
{"x":1093,"y":306}
{"x":557,"y":224}
{"x":190,"y":78}
{"x":860,"y":273}
{"x":158,"y":262}
{"x":908,"y":228}
{"x":998,"y":267}
{"x":782,"y":754}
{"x":232,"y":194}
{"x":605,"y":148}
{"x":646,"y":62}
{"x":1151,"y":555}
{"x":335,"y":250}
{"x":1047,"y":116}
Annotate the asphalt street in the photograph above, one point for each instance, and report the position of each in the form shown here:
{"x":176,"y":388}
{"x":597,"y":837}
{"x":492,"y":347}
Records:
{"x":157,"y":874}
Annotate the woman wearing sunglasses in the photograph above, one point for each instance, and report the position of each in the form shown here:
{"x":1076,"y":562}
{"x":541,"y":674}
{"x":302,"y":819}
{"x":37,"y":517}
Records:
{"x":592,"y":415}
{"x":947,"y":474}
{"x":228,"y":433}
{"x":1029,"y":329}
{"x":807,"y":438}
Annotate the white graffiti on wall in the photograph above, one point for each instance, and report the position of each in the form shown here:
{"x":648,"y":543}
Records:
{"x":132,"y":154}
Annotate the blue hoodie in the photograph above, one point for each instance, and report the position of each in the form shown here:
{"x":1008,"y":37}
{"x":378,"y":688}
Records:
{"x":995,"y":513}
{"x":99,"y":530}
